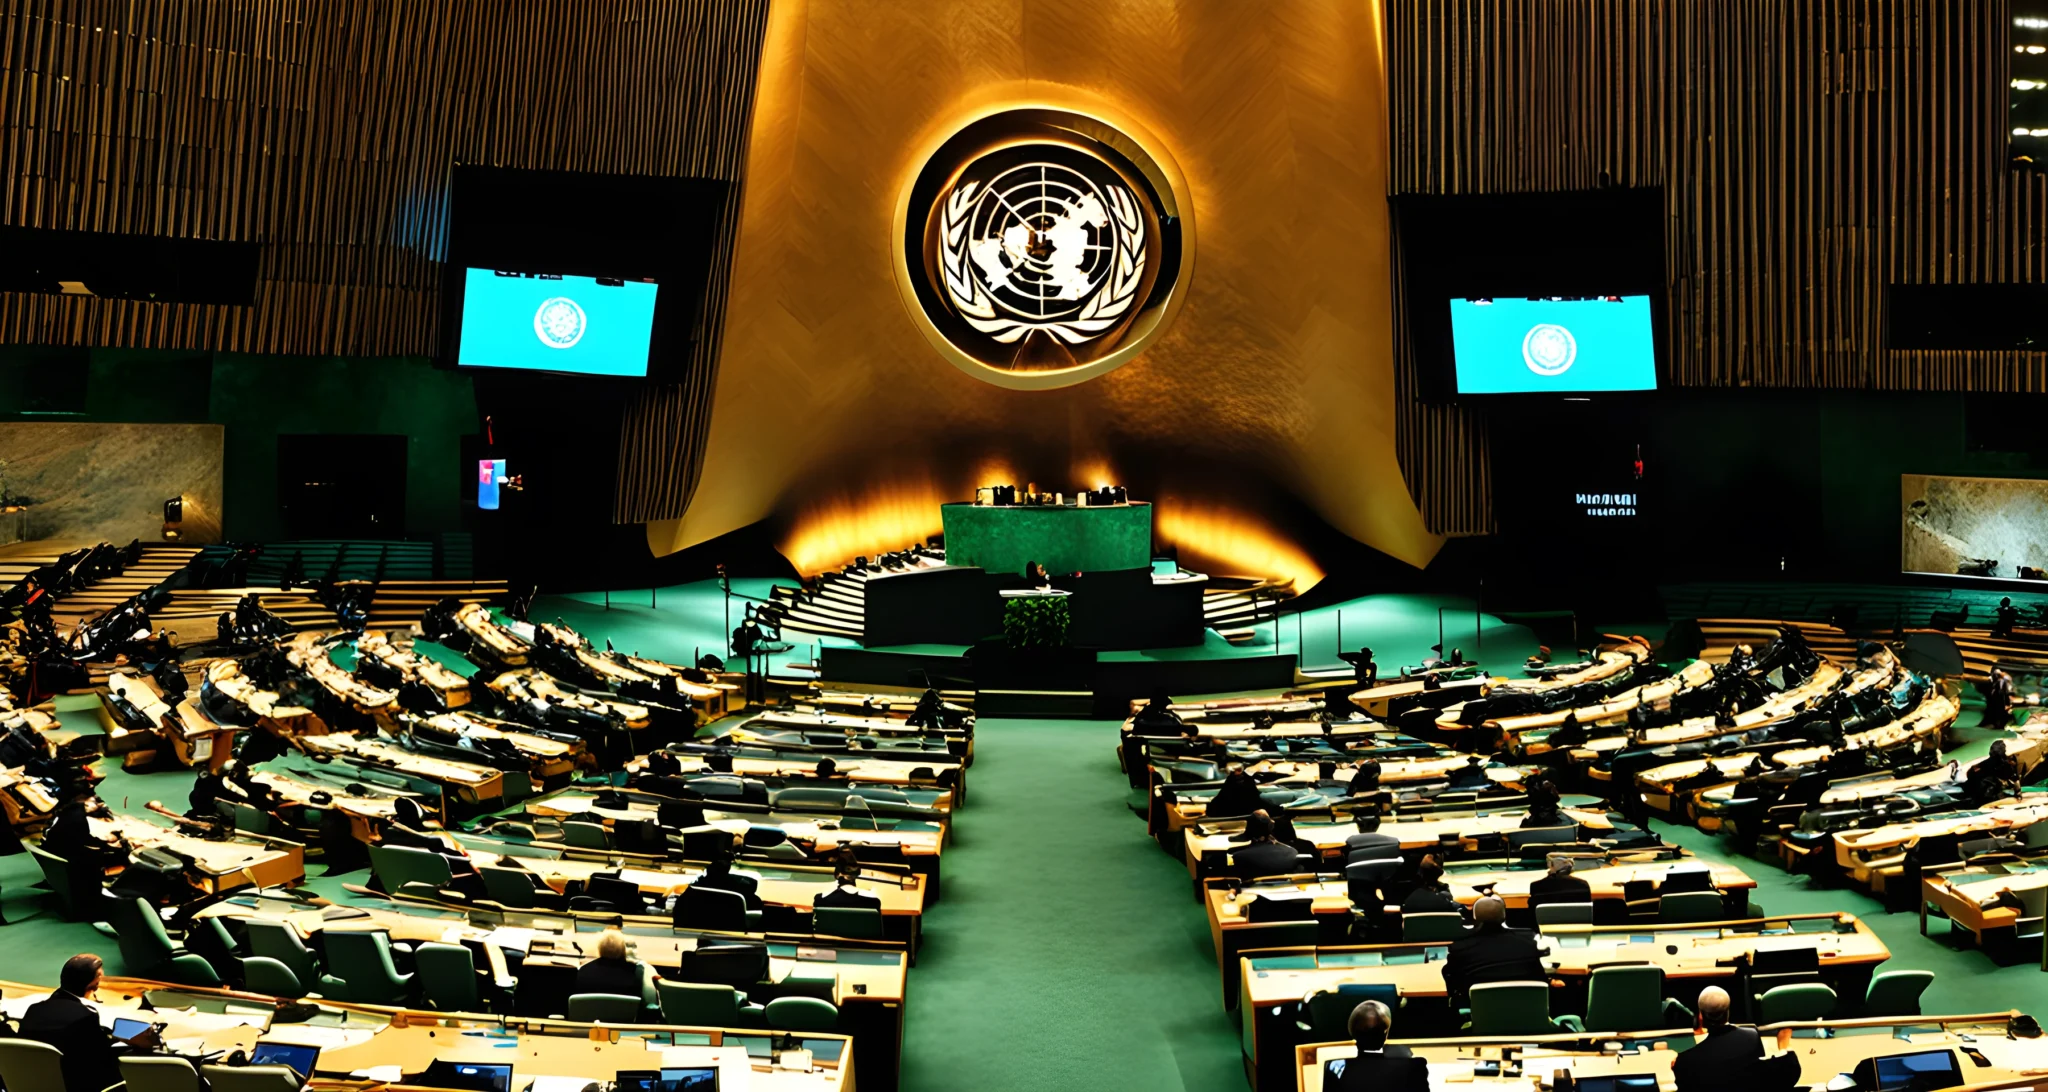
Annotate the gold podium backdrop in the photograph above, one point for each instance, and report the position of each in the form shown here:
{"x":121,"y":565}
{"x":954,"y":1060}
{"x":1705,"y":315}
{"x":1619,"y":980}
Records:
{"x":1270,"y":399}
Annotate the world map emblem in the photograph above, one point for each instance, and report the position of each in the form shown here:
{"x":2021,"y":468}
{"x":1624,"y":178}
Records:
{"x":559,"y":322}
{"x":1041,"y":248}
{"x":1549,"y":349}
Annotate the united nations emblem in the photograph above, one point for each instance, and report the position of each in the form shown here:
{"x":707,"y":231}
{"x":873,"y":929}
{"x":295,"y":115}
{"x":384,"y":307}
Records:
{"x":1042,"y":248}
{"x":558,"y":322}
{"x":1549,"y":349}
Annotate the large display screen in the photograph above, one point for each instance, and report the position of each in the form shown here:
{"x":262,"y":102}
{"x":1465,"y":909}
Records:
{"x":547,"y":323}
{"x":1553,"y":346}
{"x":1989,"y":527}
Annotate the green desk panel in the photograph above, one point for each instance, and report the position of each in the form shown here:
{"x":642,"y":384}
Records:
{"x":1003,"y":539}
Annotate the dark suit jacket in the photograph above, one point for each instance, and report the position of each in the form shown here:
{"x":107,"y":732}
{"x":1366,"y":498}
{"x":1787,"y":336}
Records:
{"x":1396,"y":1070}
{"x":1724,"y":1059}
{"x":65,"y":1021}
{"x":1265,"y":859}
{"x":614,"y":976}
{"x":1425,"y":900}
{"x":1559,"y":889}
{"x":1493,"y":953}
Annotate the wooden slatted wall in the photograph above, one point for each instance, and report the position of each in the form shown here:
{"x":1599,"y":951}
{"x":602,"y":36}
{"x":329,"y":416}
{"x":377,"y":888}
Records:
{"x":325,"y":129}
{"x":1812,"y":152}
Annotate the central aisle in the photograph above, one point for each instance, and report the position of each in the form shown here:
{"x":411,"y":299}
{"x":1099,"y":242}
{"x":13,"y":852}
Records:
{"x":1068,"y":951}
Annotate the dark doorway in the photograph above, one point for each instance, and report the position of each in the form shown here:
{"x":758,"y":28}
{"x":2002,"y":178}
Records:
{"x":341,"y":486}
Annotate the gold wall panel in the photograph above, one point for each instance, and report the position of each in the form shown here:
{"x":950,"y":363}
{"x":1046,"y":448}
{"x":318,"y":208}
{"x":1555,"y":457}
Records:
{"x":1272,"y":392}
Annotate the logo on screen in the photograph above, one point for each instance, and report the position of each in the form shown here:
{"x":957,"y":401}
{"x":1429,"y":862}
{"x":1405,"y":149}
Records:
{"x":1549,"y":349}
{"x":559,"y":323}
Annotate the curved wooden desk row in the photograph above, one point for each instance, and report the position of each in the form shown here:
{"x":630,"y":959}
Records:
{"x":378,"y":1046}
{"x":215,"y":867}
{"x":2014,"y":1063}
{"x":1222,"y":835}
{"x":1874,"y":855}
{"x":581,"y":804}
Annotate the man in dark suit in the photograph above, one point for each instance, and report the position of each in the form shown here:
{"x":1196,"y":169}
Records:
{"x":1266,"y":855}
{"x":1559,"y":885}
{"x":68,"y":1021}
{"x":1378,"y":1067}
{"x":1730,"y":1056}
{"x":1492,"y":953}
{"x":1431,"y":895}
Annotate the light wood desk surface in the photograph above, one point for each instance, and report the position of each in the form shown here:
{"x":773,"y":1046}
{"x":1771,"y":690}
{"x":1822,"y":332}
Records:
{"x":1857,"y":850}
{"x":782,"y":886}
{"x":1969,"y":895}
{"x":852,"y":769}
{"x":1451,"y":1062}
{"x":879,"y":972}
{"x":1568,"y":952}
{"x":468,"y":779}
{"x":577,"y":803}
{"x":217,"y":866}
{"x":1416,"y":833}
{"x":413,"y":1048}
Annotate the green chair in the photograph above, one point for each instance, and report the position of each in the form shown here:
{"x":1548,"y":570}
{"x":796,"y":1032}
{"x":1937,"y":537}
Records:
{"x":824,"y":987}
{"x":1326,"y":1014}
{"x":253,"y":820}
{"x":158,"y":1073}
{"x":508,"y":887}
{"x":447,"y":975}
{"x":147,"y":951}
{"x":277,"y":940}
{"x":801,"y":1014}
{"x":582,"y":835}
{"x":604,"y":1008}
{"x":397,"y":866}
{"x":1803,"y":1001}
{"x":1564,"y":913}
{"x":360,"y":969}
{"x":1631,"y":998}
{"x":857,"y":922}
{"x":1426,"y":927}
{"x":261,"y":974}
{"x":28,"y":1064}
{"x":1516,"y":1008}
{"x":209,"y":939}
{"x":57,"y":877}
{"x":706,"y":1005}
{"x":2031,"y":930}
{"x":518,"y":785}
{"x":251,"y":1078}
{"x":1690,"y":906}
{"x":1895,"y":993}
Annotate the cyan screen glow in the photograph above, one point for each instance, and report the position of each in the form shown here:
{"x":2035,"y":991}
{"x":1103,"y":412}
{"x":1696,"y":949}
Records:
{"x":555,"y":324}
{"x":1524,"y":346}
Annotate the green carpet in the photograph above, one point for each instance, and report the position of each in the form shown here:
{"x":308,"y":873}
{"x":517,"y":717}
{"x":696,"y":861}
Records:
{"x":1069,"y":951}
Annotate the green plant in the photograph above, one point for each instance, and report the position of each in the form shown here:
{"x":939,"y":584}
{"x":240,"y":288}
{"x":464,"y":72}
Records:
{"x":1036,"y":622}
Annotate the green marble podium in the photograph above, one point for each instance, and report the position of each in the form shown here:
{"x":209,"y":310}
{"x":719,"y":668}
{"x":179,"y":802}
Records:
{"x":1063,"y":538}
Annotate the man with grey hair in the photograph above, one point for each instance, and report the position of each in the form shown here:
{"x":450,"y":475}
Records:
{"x":1378,"y":1067}
{"x":1729,"y":1056}
{"x":1492,"y":952}
{"x":1559,"y":885}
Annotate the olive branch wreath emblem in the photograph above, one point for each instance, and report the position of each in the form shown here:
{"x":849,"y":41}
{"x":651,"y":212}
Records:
{"x":1102,"y":311}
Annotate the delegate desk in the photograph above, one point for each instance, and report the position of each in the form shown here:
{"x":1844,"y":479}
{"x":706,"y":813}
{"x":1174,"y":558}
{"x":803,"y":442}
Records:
{"x":1700,"y":954}
{"x":1971,"y":896}
{"x":868,"y":983}
{"x":466,"y":781}
{"x":1207,"y":841}
{"x":902,"y":895}
{"x":1872,"y":856}
{"x":851,"y":772}
{"x":1380,"y":701}
{"x":214,"y":867}
{"x":2010,"y":1063}
{"x":1228,"y":904}
{"x":914,"y":837}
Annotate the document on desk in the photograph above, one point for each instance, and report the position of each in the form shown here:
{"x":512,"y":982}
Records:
{"x":511,"y":938}
{"x":325,"y":1038}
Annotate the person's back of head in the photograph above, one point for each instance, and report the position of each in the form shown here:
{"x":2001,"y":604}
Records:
{"x":612,"y":945}
{"x":845,"y":866}
{"x":1370,"y":1025}
{"x":1258,"y":826}
{"x":1560,"y":865}
{"x":1431,"y":873}
{"x":79,"y":973}
{"x":1713,"y":1007}
{"x":1490,"y":912}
